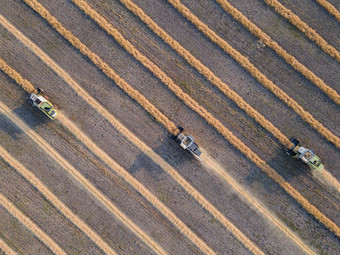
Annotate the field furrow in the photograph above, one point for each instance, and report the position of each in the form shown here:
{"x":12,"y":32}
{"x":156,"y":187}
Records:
{"x":304,"y":28}
{"x":5,"y":248}
{"x":82,"y":180}
{"x":256,"y":73}
{"x":210,"y":119}
{"x":30,"y":225}
{"x":74,"y":219}
{"x":290,"y":59}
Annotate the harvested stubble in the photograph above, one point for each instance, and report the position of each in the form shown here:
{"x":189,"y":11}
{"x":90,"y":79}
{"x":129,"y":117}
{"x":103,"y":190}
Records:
{"x":330,"y":8}
{"x":134,"y":94}
{"x":207,"y":72}
{"x":128,"y":134}
{"x":5,"y":248}
{"x":242,"y":60}
{"x":290,"y":59}
{"x":31,"y":226}
{"x":304,"y":28}
{"x":117,"y":168}
{"x":63,"y":209}
{"x":207,"y":116}
{"x":88,"y":186}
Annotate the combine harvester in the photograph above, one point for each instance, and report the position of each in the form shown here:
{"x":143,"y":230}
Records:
{"x":41,"y":102}
{"x":307,"y":156}
{"x":187,"y":143}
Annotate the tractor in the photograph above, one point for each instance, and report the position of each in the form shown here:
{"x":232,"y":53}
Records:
{"x":187,"y":143}
{"x":43,"y":104}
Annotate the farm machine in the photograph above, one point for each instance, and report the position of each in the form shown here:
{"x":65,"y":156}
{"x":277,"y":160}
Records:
{"x":41,"y":102}
{"x":187,"y":143}
{"x":307,"y":156}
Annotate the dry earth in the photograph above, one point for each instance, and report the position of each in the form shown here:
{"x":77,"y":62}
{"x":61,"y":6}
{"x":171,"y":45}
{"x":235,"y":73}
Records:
{"x":144,"y":214}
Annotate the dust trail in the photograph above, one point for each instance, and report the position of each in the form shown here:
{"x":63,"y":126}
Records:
{"x":5,"y":248}
{"x":290,"y":59}
{"x":330,"y":8}
{"x":242,"y":60}
{"x":196,"y":107}
{"x":31,"y":226}
{"x":139,"y":187}
{"x":217,"y":168}
{"x":63,"y":209}
{"x":304,"y":28}
{"x":88,"y":186}
{"x":124,"y":131}
{"x":207,"y":73}
{"x":329,"y":180}
{"x":134,"y":94}
{"x":26,"y":85}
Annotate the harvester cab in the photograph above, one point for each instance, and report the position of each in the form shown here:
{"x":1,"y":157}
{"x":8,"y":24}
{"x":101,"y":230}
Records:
{"x":307,"y":156}
{"x":41,"y":102}
{"x":187,"y":143}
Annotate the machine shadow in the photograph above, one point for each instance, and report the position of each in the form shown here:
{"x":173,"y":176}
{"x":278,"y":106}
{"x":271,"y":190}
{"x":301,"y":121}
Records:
{"x":31,"y":116}
{"x":168,"y":150}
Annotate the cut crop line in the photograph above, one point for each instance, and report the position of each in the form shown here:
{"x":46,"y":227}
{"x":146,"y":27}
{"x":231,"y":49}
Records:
{"x":134,"y":94}
{"x":189,"y":234}
{"x":5,"y":248}
{"x":65,"y":211}
{"x":139,"y":187}
{"x":330,"y":8}
{"x":31,"y":226}
{"x":242,"y":60}
{"x":304,"y":28}
{"x":49,"y":150}
{"x":207,"y":116}
{"x":123,"y":130}
{"x":206,"y":72}
{"x":290,"y":59}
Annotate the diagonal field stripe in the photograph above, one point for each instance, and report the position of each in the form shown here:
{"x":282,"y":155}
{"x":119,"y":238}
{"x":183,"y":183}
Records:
{"x":5,"y":248}
{"x":31,"y":226}
{"x":65,"y":211}
{"x":82,"y":180}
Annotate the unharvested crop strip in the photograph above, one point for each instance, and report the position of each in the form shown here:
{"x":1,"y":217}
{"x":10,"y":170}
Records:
{"x":125,"y":132}
{"x":290,"y":59}
{"x":65,"y":211}
{"x":330,"y":8}
{"x":134,"y":94}
{"x":88,"y":186}
{"x":207,"y":116}
{"x":128,"y":177}
{"x":206,"y":72}
{"x":242,"y":60}
{"x":31,"y":226}
{"x":5,"y":248}
{"x":304,"y":28}
{"x":139,"y":187}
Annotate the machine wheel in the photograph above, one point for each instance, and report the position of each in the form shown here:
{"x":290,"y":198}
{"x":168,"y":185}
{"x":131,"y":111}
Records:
{"x":180,"y":129}
{"x":40,"y":91}
{"x":295,"y":141}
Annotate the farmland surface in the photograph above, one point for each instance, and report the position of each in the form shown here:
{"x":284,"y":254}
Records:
{"x":105,"y":177}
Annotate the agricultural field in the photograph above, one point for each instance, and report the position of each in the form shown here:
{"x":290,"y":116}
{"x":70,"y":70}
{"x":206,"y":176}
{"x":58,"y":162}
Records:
{"x":242,"y":77}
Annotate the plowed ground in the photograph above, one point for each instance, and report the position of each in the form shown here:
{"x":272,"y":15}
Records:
{"x":269,"y":239}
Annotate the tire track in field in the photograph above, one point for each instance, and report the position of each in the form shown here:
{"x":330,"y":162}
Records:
{"x":134,"y":94}
{"x":5,"y":248}
{"x":65,"y":211}
{"x":243,"y":61}
{"x":330,"y":8}
{"x":187,"y":232}
{"x":31,"y":226}
{"x":123,"y":130}
{"x":88,"y":186}
{"x":304,"y":28}
{"x":139,"y":187}
{"x":290,"y":59}
{"x":205,"y":114}
{"x":206,"y":72}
